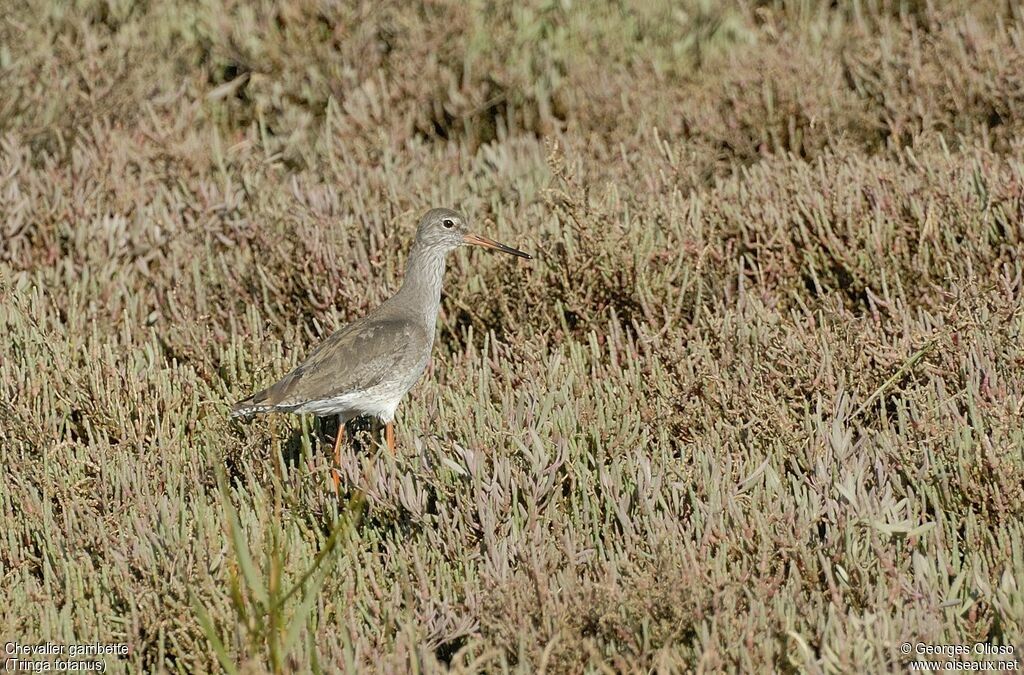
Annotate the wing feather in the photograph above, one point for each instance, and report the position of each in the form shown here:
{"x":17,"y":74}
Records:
{"x":355,"y":358}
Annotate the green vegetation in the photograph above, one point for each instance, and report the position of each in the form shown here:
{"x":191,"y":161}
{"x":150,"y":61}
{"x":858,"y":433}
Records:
{"x":756,"y":404}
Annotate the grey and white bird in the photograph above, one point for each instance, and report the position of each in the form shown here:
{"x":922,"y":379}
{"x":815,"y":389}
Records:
{"x":369,"y":365}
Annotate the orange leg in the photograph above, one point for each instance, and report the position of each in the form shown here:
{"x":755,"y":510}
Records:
{"x":389,"y":435}
{"x":335,"y":474}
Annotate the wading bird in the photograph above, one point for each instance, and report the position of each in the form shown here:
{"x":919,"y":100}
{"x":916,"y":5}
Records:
{"x":366,"y":367}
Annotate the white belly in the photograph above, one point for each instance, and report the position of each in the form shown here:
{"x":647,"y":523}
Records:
{"x":352,"y":405}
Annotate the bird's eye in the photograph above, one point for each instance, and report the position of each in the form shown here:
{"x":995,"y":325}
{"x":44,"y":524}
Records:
{"x":448,"y":223}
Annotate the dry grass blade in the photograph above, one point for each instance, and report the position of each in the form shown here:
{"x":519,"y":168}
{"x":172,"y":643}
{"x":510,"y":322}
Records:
{"x":903,"y":370}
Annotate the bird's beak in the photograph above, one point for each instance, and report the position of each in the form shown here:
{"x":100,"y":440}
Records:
{"x":480,"y":240}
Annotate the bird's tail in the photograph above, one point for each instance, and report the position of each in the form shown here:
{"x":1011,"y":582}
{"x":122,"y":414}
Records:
{"x":241,"y":409}
{"x":248,"y":407}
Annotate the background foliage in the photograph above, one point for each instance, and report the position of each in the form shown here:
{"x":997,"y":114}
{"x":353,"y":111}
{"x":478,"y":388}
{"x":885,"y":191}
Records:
{"x":755,"y":405}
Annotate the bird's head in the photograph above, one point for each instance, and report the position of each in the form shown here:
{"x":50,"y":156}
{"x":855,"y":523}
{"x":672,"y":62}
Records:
{"x":446,"y":230}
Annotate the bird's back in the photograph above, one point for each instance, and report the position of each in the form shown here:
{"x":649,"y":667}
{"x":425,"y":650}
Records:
{"x":380,"y":355}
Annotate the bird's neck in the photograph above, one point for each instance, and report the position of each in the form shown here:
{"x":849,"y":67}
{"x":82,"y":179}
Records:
{"x":421,"y":288}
